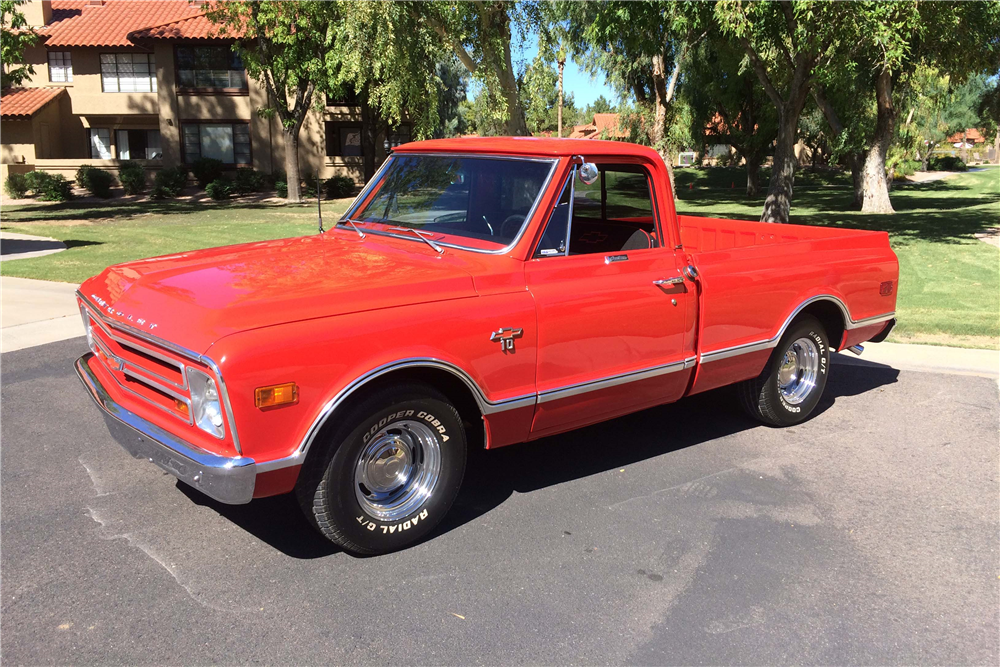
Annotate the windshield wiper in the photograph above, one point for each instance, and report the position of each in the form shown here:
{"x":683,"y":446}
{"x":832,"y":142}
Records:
{"x":420,"y":235}
{"x":351,"y":223}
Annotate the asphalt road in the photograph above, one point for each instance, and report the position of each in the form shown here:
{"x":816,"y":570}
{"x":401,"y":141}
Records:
{"x":680,"y":535}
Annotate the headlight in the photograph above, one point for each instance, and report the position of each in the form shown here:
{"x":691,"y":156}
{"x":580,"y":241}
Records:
{"x":86,"y":328}
{"x":206,"y":409}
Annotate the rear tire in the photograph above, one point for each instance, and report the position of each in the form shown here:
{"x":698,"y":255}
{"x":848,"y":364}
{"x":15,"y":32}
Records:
{"x":791,"y":385}
{"x":388,"y":476}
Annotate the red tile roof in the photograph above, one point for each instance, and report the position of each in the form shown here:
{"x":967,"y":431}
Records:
{"x":972,"y":135}
{"x":23,"y":103}
{"x":604,"y":125}
{"x":193,"y":27}
{"x":78,"y":23}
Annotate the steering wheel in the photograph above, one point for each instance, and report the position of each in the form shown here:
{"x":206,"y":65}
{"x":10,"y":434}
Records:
{"x":510,"y":226}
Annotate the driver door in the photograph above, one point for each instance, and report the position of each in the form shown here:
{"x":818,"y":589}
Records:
{"x":610,"y":313}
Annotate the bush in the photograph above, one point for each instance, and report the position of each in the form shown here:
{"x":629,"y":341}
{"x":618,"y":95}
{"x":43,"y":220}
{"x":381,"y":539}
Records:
{"x":36,"y":181}
{"x":308,"y":190}
{"x":169,"y":182}
{"x":133,"y":177}
{"x":339,"y":187}
{"x":219,"y":189}
{"x":247,"y":180}
{"x":207,"y":170}
{"x":96,"y":181}
{"x":946,"y":163}
{"x":277,"y":176}
{"x":282,"y":188}
{"x":16,"y":186}
{"x":56,"y":188}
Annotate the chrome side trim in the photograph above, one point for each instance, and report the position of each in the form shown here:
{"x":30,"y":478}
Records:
{"x":613,"y":381}
{"x":485,"y":406}
{"x":767,"y":344}
{"x":502,"y":251}
{"x":229,"y":480}
{"x":179,"y":350}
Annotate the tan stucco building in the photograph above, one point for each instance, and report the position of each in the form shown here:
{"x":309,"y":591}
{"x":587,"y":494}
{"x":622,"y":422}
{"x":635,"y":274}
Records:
{"x":153,"y":81}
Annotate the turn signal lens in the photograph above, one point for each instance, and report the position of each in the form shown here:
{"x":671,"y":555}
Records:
{"x":275,"y":395}
{"x":181,"y":406}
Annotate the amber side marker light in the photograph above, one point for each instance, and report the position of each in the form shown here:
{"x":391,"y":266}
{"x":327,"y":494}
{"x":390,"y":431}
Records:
{"x":275,"y":395}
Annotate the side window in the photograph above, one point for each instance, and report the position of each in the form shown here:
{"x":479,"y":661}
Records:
{"x":553,"y":241}
{"x":614,"y":213}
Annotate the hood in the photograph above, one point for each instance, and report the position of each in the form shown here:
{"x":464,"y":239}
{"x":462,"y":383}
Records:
{"x":195,"y":298}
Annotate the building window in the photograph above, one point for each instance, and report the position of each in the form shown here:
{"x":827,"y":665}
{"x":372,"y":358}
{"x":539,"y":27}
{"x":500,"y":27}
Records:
{"x":60,"y":67}
{"x":100,"y":143}
{"x":343,"y":139}
{"x":348,"y":98}
{"x":138,"y":144}
{"x":401,"y":135}
{"x":128,"y":73}
{"x":229,"y":142}
{"x":209,"y":67}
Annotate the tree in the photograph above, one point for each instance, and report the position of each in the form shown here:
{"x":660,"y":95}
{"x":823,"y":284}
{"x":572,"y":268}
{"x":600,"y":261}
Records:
{"x":727,"y":100}
{"x":479,"y":34}
{"x":539,"y":88}
{"x":959,"y":38}
{"x":989,"y":114}
{"x":641,"y":49}
{"x":784,"y":43}
{"x":454,"y":81}
{"x":15,"y":37}
{"x":396,"y":67}
{"x":286,"y":46}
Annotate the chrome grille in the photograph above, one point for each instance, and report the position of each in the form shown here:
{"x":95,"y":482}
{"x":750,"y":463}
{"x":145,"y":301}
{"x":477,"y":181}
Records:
{"x":148,"y":372}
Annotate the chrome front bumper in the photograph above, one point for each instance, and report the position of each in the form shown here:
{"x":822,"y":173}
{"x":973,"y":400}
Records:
{"x":229,"y":480}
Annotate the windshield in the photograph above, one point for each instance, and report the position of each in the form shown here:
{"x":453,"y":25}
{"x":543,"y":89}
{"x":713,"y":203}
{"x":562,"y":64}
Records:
{"x":473,"y":202}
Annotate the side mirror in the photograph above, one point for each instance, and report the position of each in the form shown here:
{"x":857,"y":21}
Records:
{"x":588,"y":173}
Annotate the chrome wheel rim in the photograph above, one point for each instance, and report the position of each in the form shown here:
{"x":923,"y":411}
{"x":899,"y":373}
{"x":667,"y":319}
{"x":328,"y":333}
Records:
{"x":798,"y":371}
{"x":397,"y":470}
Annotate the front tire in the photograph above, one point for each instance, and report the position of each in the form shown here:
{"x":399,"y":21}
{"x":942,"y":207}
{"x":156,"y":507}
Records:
{"x":389,"y":474}
{"x":791,"y":385}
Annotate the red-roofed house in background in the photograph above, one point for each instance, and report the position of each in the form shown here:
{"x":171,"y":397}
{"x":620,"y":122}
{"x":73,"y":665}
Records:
{"x":153,"y":81}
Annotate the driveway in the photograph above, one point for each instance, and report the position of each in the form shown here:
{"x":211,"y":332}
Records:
{"x":680,"y":535}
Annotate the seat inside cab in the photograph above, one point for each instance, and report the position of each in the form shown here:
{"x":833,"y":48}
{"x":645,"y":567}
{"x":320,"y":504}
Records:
{"x":613,"y":214}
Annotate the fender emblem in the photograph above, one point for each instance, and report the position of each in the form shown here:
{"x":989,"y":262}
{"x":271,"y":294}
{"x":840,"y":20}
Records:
{"x":506,"y":336}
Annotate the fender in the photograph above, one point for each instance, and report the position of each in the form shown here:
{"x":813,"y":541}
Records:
{"x":486,"y":407}
{"x":757,"y":346}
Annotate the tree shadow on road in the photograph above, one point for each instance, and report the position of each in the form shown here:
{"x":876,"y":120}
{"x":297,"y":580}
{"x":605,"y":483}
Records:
{"x":493,"y":476}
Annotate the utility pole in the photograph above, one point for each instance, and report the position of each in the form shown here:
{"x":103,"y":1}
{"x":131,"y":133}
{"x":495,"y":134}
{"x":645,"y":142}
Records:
{"x":561,"y":62}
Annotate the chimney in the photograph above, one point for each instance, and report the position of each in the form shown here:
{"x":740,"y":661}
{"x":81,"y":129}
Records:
{"x":95,"y":3}
{"x":37,"y":12}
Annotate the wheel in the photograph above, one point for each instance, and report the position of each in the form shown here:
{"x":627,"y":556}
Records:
{"x":388,"y":476}
{"x":788,"y":389}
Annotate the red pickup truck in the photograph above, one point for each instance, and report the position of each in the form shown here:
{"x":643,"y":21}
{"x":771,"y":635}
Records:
{"x":477,"y":293}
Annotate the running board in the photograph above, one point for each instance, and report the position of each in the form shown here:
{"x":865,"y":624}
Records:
{"x":856,"y":349}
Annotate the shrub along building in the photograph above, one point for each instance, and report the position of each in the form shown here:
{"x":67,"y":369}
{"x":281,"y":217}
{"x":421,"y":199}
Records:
{"x":151,"y":81}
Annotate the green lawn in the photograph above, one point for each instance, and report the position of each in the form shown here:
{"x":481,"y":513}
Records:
{"x":98,"y":235}
{"x":949,"y":291}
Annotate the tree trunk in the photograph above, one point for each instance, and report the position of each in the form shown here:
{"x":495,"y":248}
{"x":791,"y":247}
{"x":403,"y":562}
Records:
{"x":562,"y":64}
{"x":965,"y":143}
{"x":292,"y":165}
{"x":753,"y":178}
{"x":996,"y":147}
{"x":856,"y":161}
{"x":515,"y":124}
{"x":925,"y":163}
{"x":778,"y":204}
{"x":876,"y":194}
{"x":369,"y":138}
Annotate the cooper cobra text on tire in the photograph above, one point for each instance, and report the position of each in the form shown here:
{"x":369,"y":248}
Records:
{"x":388,"y":475}
{"x":788,"y":389}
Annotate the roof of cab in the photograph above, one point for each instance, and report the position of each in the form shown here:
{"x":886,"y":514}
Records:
{"x":531,"y":146}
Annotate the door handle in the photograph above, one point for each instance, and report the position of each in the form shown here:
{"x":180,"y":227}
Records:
{"x":677,"y":280}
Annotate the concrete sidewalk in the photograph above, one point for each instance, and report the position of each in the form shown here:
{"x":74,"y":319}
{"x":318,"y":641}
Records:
{"x":934,"y":358}
{"x":25,"y":246}
{"x":36,"y":312}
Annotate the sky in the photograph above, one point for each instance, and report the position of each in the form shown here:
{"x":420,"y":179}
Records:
{"x":576,"y":81}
